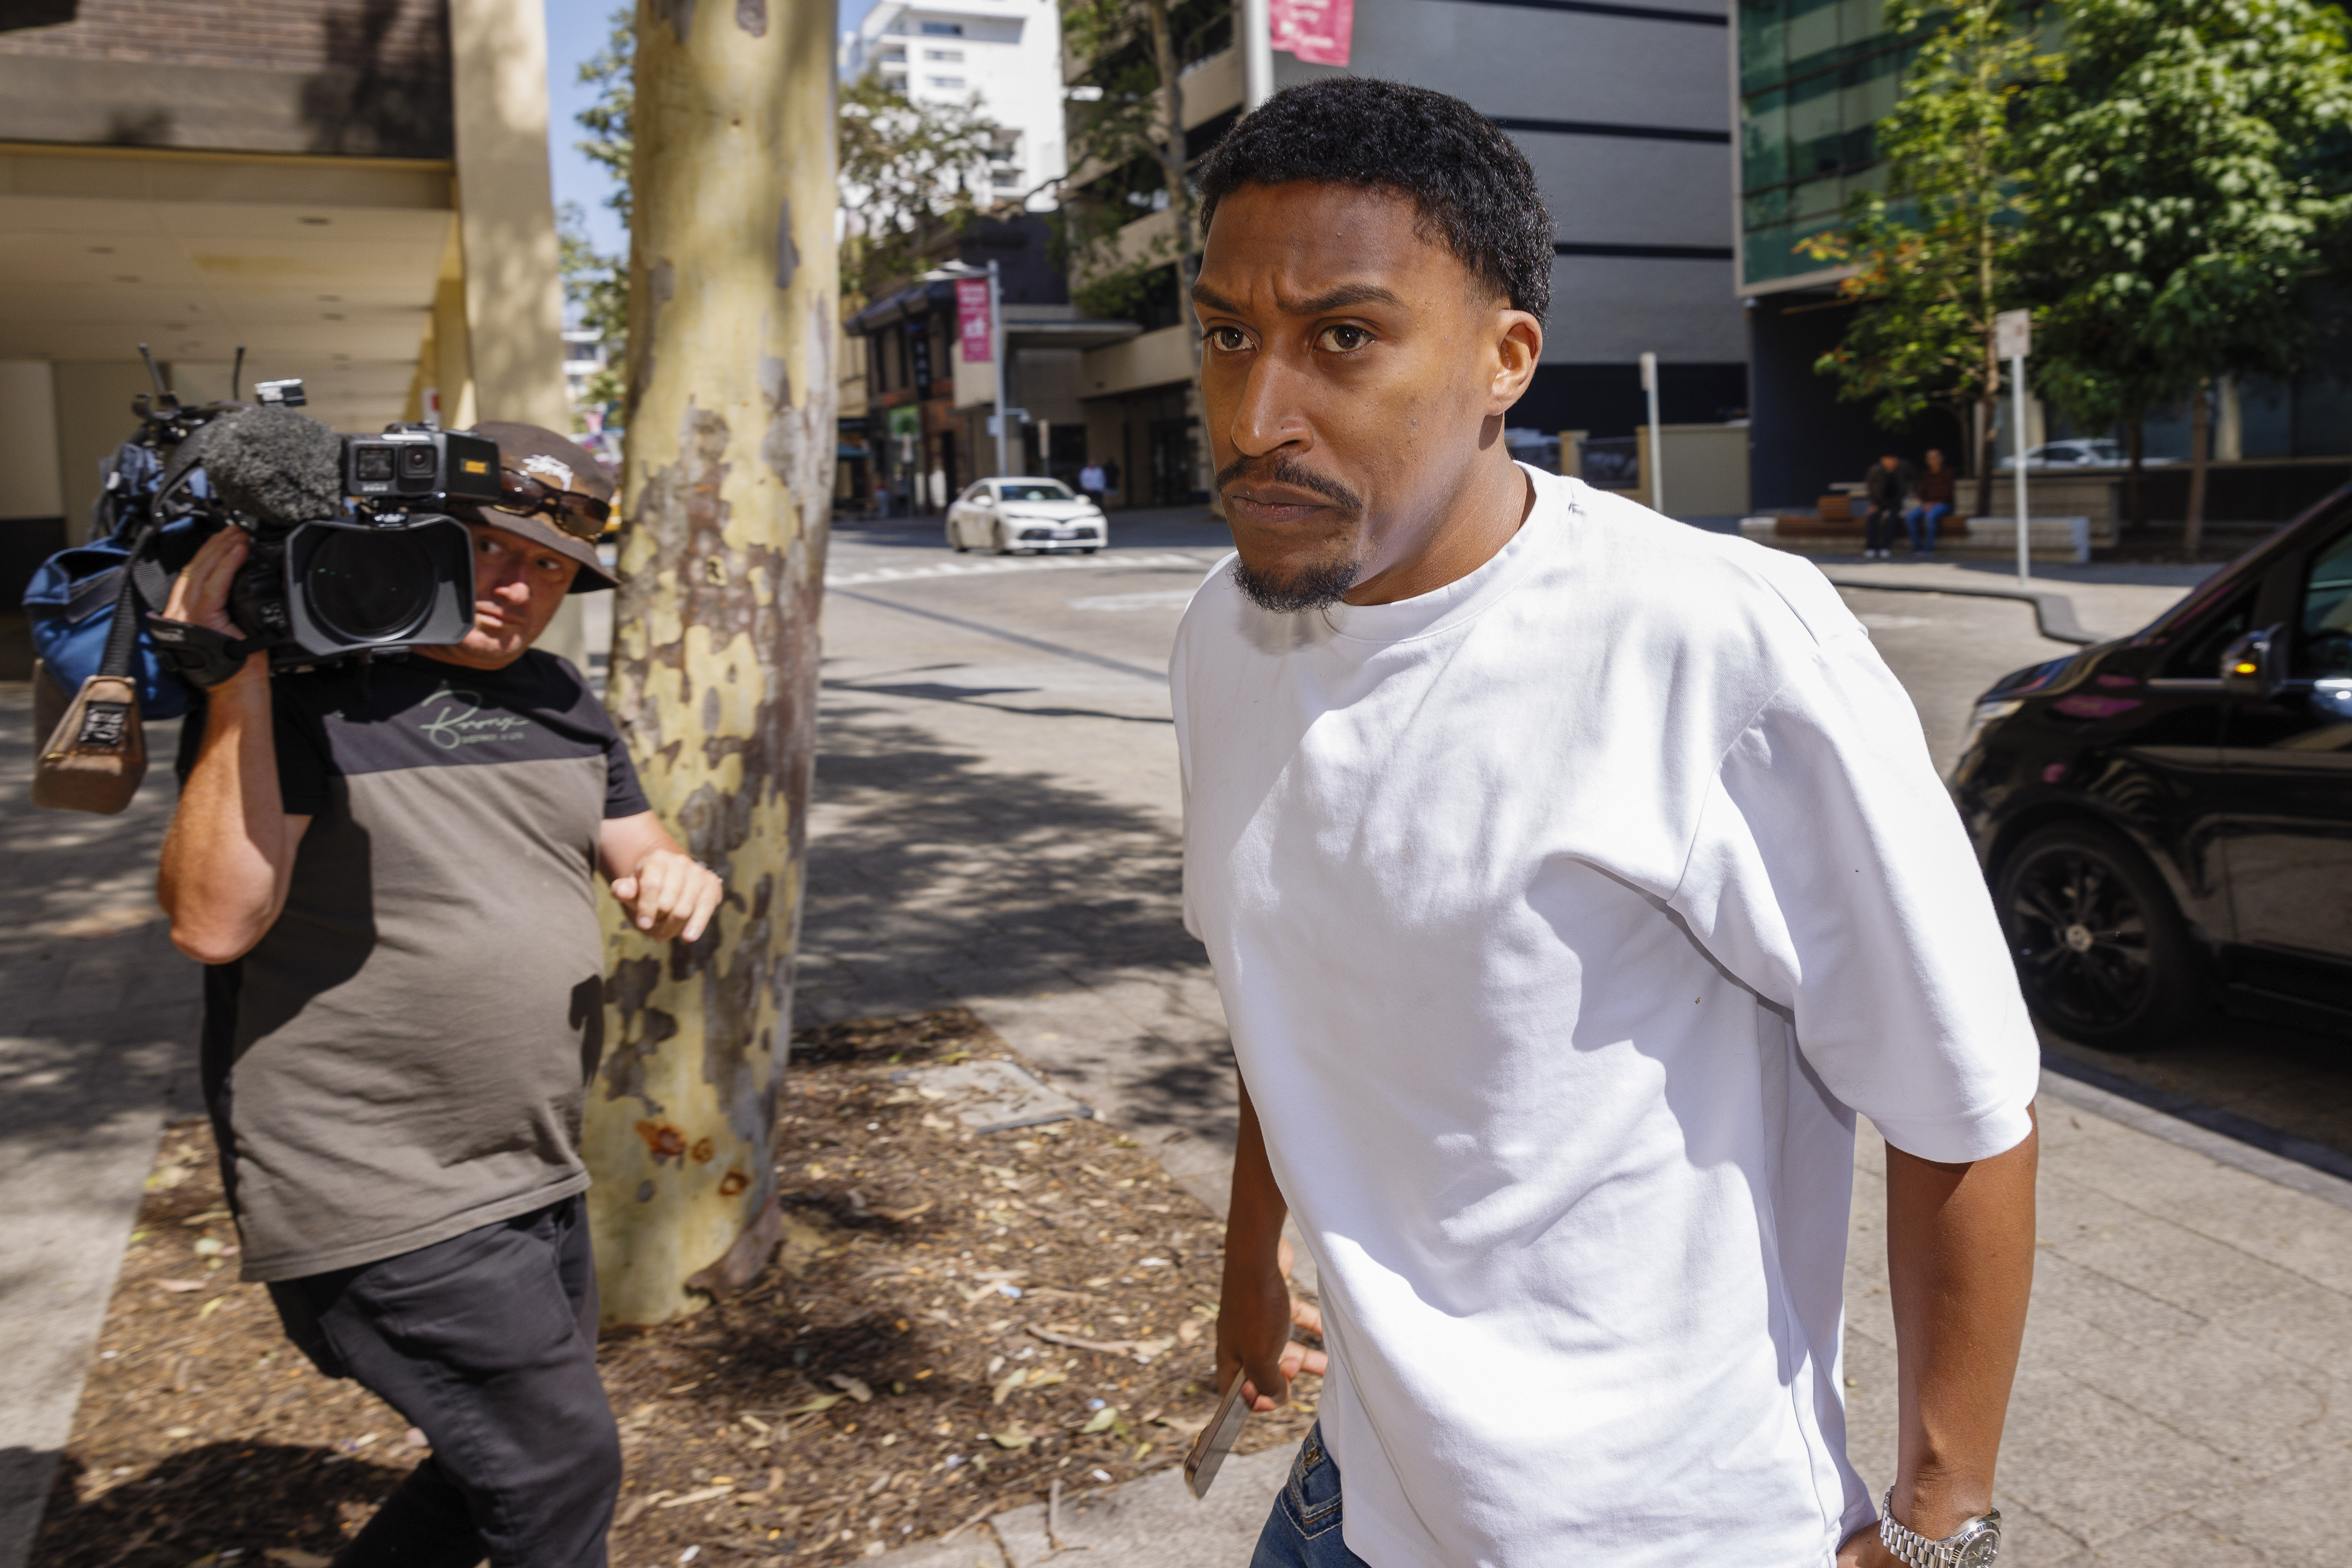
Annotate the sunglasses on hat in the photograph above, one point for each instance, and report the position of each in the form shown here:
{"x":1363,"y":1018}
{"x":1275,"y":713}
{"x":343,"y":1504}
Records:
{"x":583,"y":517}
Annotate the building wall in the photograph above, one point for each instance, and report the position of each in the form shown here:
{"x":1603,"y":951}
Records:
{"x":353,"y":77}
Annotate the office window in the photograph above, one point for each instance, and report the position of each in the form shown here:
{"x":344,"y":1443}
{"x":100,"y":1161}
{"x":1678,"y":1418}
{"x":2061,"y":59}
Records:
{"x":943,"y":29}
{"x":945,"y":83}
{"x":952,"y":57}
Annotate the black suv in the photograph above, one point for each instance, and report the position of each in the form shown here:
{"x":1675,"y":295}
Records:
{"x":2168,"y":817}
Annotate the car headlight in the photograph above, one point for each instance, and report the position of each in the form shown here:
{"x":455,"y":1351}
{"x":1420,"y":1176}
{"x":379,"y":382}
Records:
{"x":1987,"y":714}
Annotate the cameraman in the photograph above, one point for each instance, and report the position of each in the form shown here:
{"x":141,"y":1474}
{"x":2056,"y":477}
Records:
{"x":388,"y":871}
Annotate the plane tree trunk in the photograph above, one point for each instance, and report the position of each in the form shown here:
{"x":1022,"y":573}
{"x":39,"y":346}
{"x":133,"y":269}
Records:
{"x":727,"y":491}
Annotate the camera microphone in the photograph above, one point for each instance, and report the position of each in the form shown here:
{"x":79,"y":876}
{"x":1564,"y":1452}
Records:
{"x":273,"y":465}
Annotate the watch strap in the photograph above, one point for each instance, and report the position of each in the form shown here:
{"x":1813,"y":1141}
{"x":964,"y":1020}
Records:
{"x":1909,"y":1546}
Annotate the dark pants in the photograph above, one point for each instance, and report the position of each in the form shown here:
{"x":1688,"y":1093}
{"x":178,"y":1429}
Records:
{"x":1878,"y":528}
{"x":488,"y":1342}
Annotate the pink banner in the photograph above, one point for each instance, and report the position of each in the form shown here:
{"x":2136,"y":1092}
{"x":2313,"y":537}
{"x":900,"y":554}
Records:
{"x":1317,"y":31}
{"x":972,"y":324}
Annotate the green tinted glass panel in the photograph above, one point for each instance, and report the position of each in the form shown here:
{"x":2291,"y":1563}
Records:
{"x":1812,"y":35}
{"x":1764,"y":140}
{"x":1766,"y":208}
{"x":1761,"y":34}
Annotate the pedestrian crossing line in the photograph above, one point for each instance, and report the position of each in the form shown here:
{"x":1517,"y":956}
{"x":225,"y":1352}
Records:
{"x":1030,"y":564}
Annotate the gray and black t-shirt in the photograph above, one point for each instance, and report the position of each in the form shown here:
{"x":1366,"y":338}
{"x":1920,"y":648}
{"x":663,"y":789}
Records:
{"x":403,"y":1057}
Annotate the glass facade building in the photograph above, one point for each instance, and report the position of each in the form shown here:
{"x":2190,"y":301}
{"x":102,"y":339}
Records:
{"x":1815,"y":76}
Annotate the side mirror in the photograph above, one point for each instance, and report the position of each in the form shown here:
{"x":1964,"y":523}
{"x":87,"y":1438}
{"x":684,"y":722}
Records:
{"x":2255,"y":665}
{"x":982,"y":498}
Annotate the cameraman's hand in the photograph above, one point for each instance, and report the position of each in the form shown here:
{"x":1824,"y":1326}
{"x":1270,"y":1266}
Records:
{"x":200,"y":597}
{"x":669,"y":895}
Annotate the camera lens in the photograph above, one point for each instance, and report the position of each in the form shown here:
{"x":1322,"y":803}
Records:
{"x":374,"y":463}
{"x":367,"y":585}
{"x":418,"y":462}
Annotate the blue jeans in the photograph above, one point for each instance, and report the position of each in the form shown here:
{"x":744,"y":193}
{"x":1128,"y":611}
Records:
{"x":1303,"y":1531}
{"x":1923,"y":519}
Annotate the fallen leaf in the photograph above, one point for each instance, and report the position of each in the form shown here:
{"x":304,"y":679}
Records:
{"x":1101,"y":1421}
{"x":1015,"y":1439}
{"x":853,"y":1387}
{"x":821,"y":1402}
{"x":1007,"y":1384}
{"x":209,"y":1308}
{"x":1189,"y":1331}
{"x":753,"y":1422}
{"x":178,"y":1287}
{"x":705,"y":1495}
{"x":900,"y":1216}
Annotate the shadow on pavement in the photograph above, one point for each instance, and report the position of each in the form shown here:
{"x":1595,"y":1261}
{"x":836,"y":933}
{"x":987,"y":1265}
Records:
{"x":935,"y":878}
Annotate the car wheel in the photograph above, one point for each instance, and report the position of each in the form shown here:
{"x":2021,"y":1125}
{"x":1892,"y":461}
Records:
{"x":1090,"y":549}
{"x":1003,"y":545}
{"x":2101,"y":952}
{"x":955,"y":538}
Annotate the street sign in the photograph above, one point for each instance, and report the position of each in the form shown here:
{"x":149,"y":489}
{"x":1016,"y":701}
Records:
{"x":2012,"y":335}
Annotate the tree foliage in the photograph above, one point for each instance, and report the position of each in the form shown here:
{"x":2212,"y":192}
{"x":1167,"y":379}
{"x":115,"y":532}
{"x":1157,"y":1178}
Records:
{"x":911,"y":174}
{"x":1126,"y":129}
{"x":611,"y":142}
{"x":1936,"y":255}
{"x":2182,"y":209}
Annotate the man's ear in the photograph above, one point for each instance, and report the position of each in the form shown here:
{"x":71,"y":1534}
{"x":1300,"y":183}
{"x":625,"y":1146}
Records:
{"x":1519,"y":346}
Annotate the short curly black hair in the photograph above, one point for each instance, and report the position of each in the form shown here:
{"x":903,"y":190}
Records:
{"x":1471,"y":181}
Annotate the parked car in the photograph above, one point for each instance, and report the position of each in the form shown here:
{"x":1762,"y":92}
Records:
{"x":2168,"y":817}
{"x":1009,"y":514}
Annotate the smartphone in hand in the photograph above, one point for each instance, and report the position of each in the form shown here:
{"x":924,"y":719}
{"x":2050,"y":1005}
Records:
{"x":1216,"y":1439}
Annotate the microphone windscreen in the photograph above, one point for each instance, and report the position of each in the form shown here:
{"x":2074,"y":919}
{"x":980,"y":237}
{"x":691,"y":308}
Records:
{"x":271,"y":464}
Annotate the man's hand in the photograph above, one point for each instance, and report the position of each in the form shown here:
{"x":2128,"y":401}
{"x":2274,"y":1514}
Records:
{"x":1254,"y":1317}
{"x":669,"y":895}
{"x":1863,"y":1549}
{"x":200,"y":595}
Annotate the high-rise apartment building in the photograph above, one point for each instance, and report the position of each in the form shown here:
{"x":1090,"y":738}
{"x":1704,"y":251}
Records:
{"x":1005,"y":54}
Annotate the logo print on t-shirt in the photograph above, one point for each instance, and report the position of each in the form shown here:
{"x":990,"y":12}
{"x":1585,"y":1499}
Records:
{"x":458,"y":720}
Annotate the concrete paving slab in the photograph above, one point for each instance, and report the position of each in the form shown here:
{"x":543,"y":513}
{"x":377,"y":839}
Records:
{"x":991,"y":1096}
{"x":1154,"y":1522}
{"x":976,"y":1548}
{"x":2297,"y":1519}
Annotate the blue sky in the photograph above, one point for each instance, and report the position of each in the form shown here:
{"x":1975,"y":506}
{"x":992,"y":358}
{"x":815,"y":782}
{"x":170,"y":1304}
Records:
{"x":576,"y":30}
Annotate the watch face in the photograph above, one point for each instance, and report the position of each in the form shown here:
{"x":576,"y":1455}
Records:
{"x":1980,"y":1552}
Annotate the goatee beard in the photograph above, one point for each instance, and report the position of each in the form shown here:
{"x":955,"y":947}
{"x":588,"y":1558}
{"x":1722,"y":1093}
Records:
{"x":1310,"y":589}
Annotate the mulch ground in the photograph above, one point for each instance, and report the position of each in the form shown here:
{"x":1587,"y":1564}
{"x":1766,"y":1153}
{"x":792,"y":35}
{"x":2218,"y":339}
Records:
{"x":956,"y":1321}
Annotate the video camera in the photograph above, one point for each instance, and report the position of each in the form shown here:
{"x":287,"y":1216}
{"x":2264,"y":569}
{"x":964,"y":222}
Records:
{"x":353,"y":547}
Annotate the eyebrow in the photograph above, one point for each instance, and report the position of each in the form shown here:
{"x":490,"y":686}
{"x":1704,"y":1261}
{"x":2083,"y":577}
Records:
{"x":1330,"y":299}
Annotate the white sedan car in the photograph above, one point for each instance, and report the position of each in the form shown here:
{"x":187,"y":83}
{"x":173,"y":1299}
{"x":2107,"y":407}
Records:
{"x":1009,"y":514}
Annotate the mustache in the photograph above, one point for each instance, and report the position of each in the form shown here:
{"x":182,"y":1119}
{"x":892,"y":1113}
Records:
{"x":1283,"y":471}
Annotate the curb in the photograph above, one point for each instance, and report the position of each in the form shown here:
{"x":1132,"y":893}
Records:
{"x":2054,"y":613}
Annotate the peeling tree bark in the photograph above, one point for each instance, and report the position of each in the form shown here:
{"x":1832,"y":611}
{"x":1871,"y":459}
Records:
{"x":727,"y":492}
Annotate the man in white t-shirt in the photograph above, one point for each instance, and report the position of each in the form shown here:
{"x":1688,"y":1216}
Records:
{"x":1572,"y":879}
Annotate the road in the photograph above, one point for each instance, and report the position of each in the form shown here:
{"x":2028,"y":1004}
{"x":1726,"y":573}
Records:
{"x":997,"y":823}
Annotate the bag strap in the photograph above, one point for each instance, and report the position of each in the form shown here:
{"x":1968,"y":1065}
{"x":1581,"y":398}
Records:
{"x":122,"y":634}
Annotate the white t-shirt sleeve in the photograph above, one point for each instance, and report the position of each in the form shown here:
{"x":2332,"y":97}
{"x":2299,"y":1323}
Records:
{"x":1831,"y":875}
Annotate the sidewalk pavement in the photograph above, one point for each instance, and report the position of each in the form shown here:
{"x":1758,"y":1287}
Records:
{"x":2080,"y":605}
{"x":97,"y":1015}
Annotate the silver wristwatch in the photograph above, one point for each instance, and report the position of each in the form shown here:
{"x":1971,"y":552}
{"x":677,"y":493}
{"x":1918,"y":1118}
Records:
{"x":1974,"y":1545}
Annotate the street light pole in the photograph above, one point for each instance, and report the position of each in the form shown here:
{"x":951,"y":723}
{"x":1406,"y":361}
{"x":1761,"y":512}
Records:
{"x":2024,"y":524}
{"x":1657,"y":437}
{"x":2012,"y":340}
{"x":996,"y":352}
{"x":1258,"y":54}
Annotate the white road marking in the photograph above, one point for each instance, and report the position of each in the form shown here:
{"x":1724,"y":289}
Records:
{"x":1157,"y":599}
{"x":1013,"y":563}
